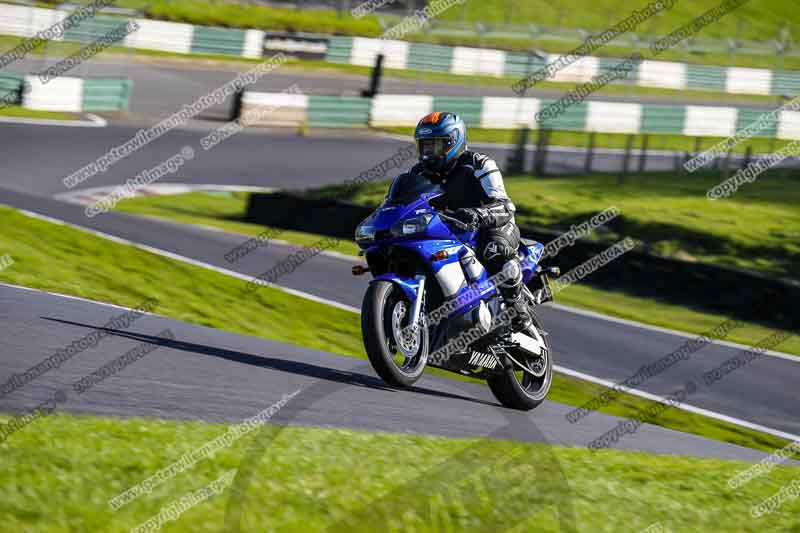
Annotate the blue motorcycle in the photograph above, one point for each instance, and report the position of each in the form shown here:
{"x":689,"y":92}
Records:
{"x":431,"y":302}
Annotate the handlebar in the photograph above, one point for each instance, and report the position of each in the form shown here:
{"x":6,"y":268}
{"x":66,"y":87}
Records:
{"x":455,"y":222}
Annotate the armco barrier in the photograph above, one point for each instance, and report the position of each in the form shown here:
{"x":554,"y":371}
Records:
{"x":338,"y":111}
{"x":24,"y":21}
{"x":275,"y":109}
{"x":10,"y":88}
{"x":106,"y":94}
{"x":60,"y":94}
{"x":387,"y":110}
{"x":708,"y":288}
{"x":226,"y":41}
{"x":76,"y":95}
{"x":91,"y":29}
{"x":468,"y":61}
{"x":304,"y":45}
{"x":182,"y":38}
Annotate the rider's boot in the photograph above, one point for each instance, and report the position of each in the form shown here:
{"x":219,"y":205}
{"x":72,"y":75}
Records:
{"x":512,"y":293}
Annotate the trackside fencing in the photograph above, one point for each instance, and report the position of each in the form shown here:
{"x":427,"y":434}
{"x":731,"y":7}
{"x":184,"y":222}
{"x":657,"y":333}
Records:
{"x":488,"y":62}
{"x":386,"y":110}
{"x":66,"y":94}
{"x":25,"y":21}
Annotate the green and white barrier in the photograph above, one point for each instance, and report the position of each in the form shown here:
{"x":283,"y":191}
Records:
{"x":24,"y":21}
{"x":275,"y":109}
{"x":76,"y":95}
{"x":477,"y":61}
{"x":338,"y":112}
{"x":387,"y":110}
{"x":10,"y":85}
{"x":399,"y":110}
{"x":106,"y":94}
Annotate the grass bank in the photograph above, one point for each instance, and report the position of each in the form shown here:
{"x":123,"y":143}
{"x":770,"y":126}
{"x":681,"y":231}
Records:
{"x":59,"y":474}
{"x":23,"y":112}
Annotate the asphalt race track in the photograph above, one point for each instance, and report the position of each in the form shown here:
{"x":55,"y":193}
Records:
{"x":267,"y":158}
{"x":219,"y":376}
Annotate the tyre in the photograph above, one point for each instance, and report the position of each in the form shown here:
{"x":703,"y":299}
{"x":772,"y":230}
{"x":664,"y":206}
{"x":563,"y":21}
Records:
{"x":385,"y":311}
{"x":518,"y":389}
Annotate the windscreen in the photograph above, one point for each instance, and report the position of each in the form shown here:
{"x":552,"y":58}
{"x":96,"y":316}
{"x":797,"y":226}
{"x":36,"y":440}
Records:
{"x":408,"y":187}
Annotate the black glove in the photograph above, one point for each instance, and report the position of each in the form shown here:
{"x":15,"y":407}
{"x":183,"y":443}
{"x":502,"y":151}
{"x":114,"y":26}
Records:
{"x":467,"y":216}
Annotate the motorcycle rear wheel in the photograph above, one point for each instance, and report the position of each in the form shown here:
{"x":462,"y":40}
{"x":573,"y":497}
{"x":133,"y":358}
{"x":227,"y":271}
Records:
{"x":517,"y":389}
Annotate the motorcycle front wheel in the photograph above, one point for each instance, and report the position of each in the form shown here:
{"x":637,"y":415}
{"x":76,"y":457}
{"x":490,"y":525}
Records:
{"x":398,"y":359}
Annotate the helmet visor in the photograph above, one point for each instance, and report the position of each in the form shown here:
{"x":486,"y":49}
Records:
{"x":434,"y":147}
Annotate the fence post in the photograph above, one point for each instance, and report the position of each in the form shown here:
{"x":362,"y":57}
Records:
{"x":587,"y":167}
{"x":726,"y":166}
{"x":540,"y":157}
{"x":626,"y":160}
{"x":516,"y":159}
{"x":643,"y":153}
{"x":236,"y":110}
{"x":748,"y":156}
{"x":375,"y":80}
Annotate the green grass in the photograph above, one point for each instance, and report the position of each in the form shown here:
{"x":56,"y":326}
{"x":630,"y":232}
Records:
{"x":760,"y":21}
{"x":680,"y":143}
{"x":22,"y":112}
{"x":84,"y":265}
{"x":758,"y":228}
{"x":59,"y":473}
{"x":763,"y":19}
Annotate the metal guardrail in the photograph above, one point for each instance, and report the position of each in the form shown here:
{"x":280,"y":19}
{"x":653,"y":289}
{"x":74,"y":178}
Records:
{"x":499,"y":63}
{"x":518,"y":113}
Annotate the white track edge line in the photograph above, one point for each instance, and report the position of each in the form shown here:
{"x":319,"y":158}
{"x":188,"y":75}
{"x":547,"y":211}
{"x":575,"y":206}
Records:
{"x":683,"y":406}
{"x":188,"y":260}
{"x":80,"y":299}
{"x":563,"y":370}
{"x":91,"y":123}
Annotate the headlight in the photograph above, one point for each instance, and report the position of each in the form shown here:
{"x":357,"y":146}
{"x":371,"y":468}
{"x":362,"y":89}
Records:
{"x":365,"y":232}
{"x":411,"y":225}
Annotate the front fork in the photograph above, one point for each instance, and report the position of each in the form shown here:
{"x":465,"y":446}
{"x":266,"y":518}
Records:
{"x":416,"y":310}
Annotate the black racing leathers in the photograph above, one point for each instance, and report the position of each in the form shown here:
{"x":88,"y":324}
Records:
{"x":475,"y":185}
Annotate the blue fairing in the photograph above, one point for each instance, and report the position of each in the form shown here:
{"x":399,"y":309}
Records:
{"x":411,"y":200}
{"x":409,"y":285}
{"x":531,"y":257}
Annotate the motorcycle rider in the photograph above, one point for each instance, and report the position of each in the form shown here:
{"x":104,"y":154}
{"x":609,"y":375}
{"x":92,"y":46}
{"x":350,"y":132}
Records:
{"x":475,"y":194}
